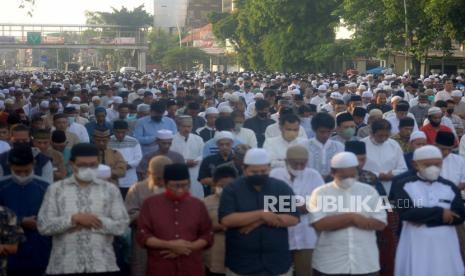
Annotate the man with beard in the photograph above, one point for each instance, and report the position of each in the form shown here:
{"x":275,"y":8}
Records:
{"x":434,"y":126}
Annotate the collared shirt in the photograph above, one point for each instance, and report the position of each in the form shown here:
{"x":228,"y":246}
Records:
{"x":348,"y":250}
{"x":11,"y":233}
{"x":453,"y":169}
{"x":146,"y":130}
{"x":265,"y":250}
{"x":258,"y":126}
{"x":301,"y":236}
{"x":320,"y":155}
{"x":277,"y":148}
{"x":384,"y":158}
{"x":87,"y":250}
{"x":165,"y":219}
{"x":404,"y":144}
{"x":206,"y":133}
{"x":274,"y":131}
{"x":191,"y":149}
{"x":132,"y":154}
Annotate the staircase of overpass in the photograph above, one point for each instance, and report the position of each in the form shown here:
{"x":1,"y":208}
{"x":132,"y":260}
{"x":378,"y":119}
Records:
{"x":50,"y":36}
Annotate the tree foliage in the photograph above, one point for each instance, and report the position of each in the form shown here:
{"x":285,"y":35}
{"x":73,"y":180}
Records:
{"x":184,"y":58}
{"x":160,"y":43}
{"x":130,"y":19}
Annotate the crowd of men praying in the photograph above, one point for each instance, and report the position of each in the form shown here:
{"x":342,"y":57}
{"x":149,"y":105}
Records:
{"x":170,"y":173}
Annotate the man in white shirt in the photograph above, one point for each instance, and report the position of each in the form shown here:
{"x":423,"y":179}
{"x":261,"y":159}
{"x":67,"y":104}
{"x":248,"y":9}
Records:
{"x":303,"y":181}
{"x":385,"y":157}
{"x":190,"y":146}
{"x":245,"y":135}
{"x":453,"y":165}
{"x":78,"y":129}
{"x":400,"y":111}
{"x":320,"y":99}
{"x":346,"y":242}
{"x":112,"y":113}
{"x":274,"y":130}
{"x":277,"y":146}
{"x":131,"y":151}
{"x":445,"y":94}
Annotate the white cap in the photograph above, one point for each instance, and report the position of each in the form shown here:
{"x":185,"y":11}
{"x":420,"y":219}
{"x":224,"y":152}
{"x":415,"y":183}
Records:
{"x":226,"y":95}
{"x":10,"y":101}
{"x":103,"y":172}
{"x":367,"y":94}
{"x":117,"y":100}
{"x":257,"y":156}
{"x":141,"y":91}
{"x":427,"y":152}
{"x":95,"y":98}
{"x":94,"y":89}
{"x":344,"y":160}
{"x":143,"y":108}
{"x":352,"y":85}
{"x":44,"y":104}
{"x":362,"y":87}
{"x":211,"y":110}
{"x":225,"y":109}
{"x":2,"y":96}
{"x":434,"y":110}
{"x":417,"y":135}
{"x":259,"y":95}
{"x":395,"y":99}
{"x":322,"y":88}
{"x":336,"y":96}
{"x":220,"y":135}
{"x":76,"y":99}
{"x":234,"y":98}
{"x":164,"y":134}
{"x":456,"y":93}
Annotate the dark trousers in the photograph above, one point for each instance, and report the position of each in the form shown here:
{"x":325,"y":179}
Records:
{"x":89,"y":274}
{"x":317,"y":273}
{"x":26,"y":272}
{"x":124,"y":192}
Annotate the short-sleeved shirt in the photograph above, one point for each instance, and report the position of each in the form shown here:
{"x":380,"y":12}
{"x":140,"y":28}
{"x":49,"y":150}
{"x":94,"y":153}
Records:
{"x":266,"y":249}
{"x":10,"y":233}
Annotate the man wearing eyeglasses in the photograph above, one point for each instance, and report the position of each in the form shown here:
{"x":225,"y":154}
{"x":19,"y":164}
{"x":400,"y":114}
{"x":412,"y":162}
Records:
{"x":174,"y":227}
{"x":83,"y":213}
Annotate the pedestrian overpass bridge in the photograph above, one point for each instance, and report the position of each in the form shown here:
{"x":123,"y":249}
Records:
{"x":51,"y":36}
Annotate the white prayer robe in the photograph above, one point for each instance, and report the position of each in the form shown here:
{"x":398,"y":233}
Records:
{"x":190,"y":150}
{"x":319,"y":102}
{"x":80,"y":131}
{"x":274,"y":131}
{"x":320,"y":155}
{"x":302,"y":235}
{"x":453,"y":168}
{"x":384,"y":158}
{"x":427,"y":246}
{"x":247,"y":136}
{"x":277,"y":149}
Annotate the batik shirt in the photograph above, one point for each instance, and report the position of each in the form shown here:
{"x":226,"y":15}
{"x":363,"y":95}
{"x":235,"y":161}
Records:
{"x":10,"y":233}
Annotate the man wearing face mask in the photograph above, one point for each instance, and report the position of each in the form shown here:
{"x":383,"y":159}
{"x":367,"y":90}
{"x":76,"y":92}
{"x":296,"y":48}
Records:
{"x":289,"y":125}
{"x":74,"y":127}
{"x":23,"y":192}
{"x":245,"y":135}
{"x":456,"y":120}
{"x":83,"y":214}
{"x":420,"y":111}
{"x":345,"y":128}
{"x":406,"y":127}
{"x":306,"y":113}
{"x":174,"y":227}
{"x":257,"y":241}
{"x":334,"y":253}
{"x":147,"y":127}
{"x":429,"y":207}
{"x":320,"y":99}
{"x":260,"y":121}
{"x":274,"y":130}
{"x":453,"y":165}
{"x":303,"y":181}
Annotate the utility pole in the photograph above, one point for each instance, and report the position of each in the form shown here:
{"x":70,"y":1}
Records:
{"x":406,"y":36}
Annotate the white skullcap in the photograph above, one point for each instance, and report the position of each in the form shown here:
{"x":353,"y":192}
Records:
{"x":362,"y":87}
{"x":103,"y":172}
{"x":395,"y":99}
{"x":434,"y":110}
{"x":367,"y":94}
{"x":427,"y":80}
{"x":76,"y":99}
{"x":2,"y":96}
{"x":2,"y":105}
{"x":44,"y":104}
{"x":211,"y":110}
{"x":335,"y":86}
{"x":336,"y":96}
{"x":322,"y":88}
{"x":141,"y":91}
{"x":95,"y":98}
{"x":295,"y":92}
{"x":234,"y":98}
{"x":456,"y":93}
{"x":417,"y":135}
{"x":143,"y":108}
{"x":375,"y":112}
{"x":427,"y":152}
{"x":226,"y":95}
{"x":352,"y":85}
{"x":220,"y":135}
{"x":117,"y":100}
{"x":225,"y":109}
{"x":5,"y":91}
{"x":94,"y":89}
{"x":344,"y":160}
{"x":10,"y":101}
{"x":257,"y":156}
{"x":240,"y":79}
{"x":259,"y":95}
{"x":164,"y":134}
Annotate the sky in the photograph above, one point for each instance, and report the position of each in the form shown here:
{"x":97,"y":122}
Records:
{"x":73,"y":11}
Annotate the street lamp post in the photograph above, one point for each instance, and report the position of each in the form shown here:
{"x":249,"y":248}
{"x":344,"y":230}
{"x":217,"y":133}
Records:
{"x":406,"y":36}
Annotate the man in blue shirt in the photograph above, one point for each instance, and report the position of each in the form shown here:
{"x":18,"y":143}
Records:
{"x":23,"y":192}
{"x":147,"y":127}
{"x":99,"y":122}
{"x":257,"y":239}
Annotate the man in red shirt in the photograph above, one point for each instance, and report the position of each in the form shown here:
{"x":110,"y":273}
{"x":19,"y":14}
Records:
{"x":174,"y":227}
{"x":434,"y":126}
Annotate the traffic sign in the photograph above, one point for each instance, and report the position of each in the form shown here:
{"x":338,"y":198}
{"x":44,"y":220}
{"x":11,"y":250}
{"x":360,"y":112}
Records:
{"x":34,"y":38}
{"x":44,"y":58}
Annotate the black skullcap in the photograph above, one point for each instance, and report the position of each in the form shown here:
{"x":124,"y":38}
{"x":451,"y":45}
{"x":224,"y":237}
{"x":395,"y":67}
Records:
{"x":83,"y":149}
{"x":402,"y":107}
{"x":120,"y":124}
{"x":343,"y":117}
{"x":445,"y":138}
{"x":355,"y":98}
{"x":360,"y":112}
{"x":20,"y":156}
{"x":58,"y":136}
{"x":59,"y":116}
{"x":356,"y":147}
{"x":176,"y":172}
{"x":69,"y":110}
{"x":406,"y":122}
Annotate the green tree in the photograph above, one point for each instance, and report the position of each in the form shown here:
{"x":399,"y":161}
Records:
{"x":184,"y":58}
{"x":160,"y":43}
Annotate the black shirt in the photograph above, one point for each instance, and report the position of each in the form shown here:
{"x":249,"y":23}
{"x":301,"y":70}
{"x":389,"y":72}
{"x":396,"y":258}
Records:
{"x":265,"y":250}
{"x":208,"y":166}
{"x":258,"y":126}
